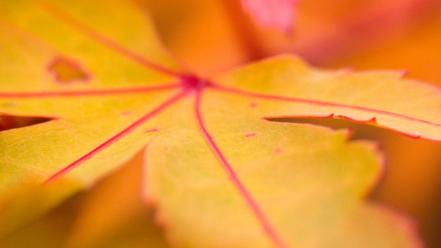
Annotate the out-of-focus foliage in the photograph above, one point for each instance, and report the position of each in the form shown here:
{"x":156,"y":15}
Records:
{"x":278,"y":14}
{"x":110,"y":214}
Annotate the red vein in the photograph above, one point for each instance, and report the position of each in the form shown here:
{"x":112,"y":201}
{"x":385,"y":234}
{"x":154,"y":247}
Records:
{"x":251,"y":202}
{"x":81,"y":93}
{"x":123,"y":133}
{"x":320,"y":103}
{"x":88,"y":31}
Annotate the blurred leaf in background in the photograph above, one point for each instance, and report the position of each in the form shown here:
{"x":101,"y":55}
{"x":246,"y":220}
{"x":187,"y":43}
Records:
{"x":110,"y":214}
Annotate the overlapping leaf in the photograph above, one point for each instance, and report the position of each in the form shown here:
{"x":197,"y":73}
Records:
{"x":220,"y":173}
{"x":276,"y":13}
{"x":82,"y":221}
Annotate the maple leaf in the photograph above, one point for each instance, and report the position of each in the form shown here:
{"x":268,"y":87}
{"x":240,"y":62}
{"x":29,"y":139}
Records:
{"x":83,"y":222}
{"x":218,"y":170}
{"x":272,"y":13}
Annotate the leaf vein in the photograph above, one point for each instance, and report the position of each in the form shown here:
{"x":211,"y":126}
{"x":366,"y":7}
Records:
{"x":249,"y":199}
{"x":126,"y":131}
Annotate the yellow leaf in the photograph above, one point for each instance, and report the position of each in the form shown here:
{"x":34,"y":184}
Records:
{"x":219,"y":171}
{"x":33,"y":34}
{"x":254,"y":183}
{"x":288,"y":87}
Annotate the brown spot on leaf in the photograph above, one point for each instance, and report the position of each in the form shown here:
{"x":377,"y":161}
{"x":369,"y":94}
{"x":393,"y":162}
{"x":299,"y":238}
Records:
{"x":66,"y":70}
{"x":152,"y":130}
{"x":250,"y":135}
